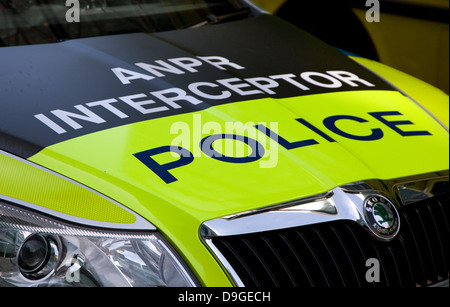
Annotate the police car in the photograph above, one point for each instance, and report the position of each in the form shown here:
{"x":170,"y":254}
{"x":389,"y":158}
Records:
{"x":206,"y":143}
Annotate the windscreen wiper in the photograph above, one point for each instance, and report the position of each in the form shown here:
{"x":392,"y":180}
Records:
{"x":214,"y":19}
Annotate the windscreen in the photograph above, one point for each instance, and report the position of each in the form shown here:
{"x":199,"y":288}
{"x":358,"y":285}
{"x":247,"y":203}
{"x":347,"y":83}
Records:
{"x":27,"y":22}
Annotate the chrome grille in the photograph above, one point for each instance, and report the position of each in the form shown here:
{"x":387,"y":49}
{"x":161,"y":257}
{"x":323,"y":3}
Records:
{"x":334,"y":254}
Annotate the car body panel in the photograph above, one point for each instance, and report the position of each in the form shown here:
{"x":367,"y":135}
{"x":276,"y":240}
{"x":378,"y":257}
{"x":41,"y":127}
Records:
{"x":36,"y":76}
{"x":46,"y":190}
{"x":208,"y":189}
{"x":431,"y":98}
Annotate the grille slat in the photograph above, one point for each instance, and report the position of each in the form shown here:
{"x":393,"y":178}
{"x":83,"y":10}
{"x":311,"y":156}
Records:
{"x":408,"y":268}
{"x":396,"y":267}
{"x":334,"y":254}
{"x":438,"y":243}
{"x":325,"y":281}
{"x":340,"y":276}
{"x":413,"y":250}
{"x":298,"y":264}
{"x":271,"y":267}
{"x":350,"y":263}
{"x":426,"y":246}
{"x":284,"y":275}
{"x":386,"y":279}
{"x":442,"y":223}
{"x":242,"y":267}
{"x":444,"y":213}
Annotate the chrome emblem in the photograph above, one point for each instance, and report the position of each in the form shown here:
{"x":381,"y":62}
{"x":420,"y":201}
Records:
{"x":381,"y":217}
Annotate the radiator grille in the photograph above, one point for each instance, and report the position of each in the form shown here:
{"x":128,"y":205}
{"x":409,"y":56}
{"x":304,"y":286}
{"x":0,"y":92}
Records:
{"x":335,"y":254}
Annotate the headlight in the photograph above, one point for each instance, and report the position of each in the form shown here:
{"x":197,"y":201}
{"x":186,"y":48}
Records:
{"x":36,"y":250}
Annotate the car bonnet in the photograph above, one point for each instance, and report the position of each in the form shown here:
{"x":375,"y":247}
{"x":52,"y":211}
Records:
{"x":98,"y":111}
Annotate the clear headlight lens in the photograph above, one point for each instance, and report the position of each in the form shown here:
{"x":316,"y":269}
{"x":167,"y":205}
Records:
{"x":36,"y":250}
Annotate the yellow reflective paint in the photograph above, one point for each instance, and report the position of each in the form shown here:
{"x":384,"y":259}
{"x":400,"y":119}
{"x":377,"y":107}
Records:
{"x":208,"y":188}
{"x":24,"y":182}
{"x":433,"y":99}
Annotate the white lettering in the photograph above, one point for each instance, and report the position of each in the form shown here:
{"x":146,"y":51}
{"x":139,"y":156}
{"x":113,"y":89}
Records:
{"x":107,"y":105}
{"x":86,"y":116}
{"x":211,"y":90}
{"x":289,"y":78}
{"x":187,"y":63}
{"x":238,"y":87}
{"x":175,"y":94}
{"x":307,"y":76}
{"x":153,"y":69}
{"x":139,"y":105}
{"x":219,"y":62}
{"x":264,"y":84}
{"x":194,"y":88}
{"x":349,"y":78}
{"x":125,"y":75}
{"x":51,"y":124}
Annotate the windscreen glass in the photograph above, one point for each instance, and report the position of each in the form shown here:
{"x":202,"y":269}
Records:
{"x":27,"y":22}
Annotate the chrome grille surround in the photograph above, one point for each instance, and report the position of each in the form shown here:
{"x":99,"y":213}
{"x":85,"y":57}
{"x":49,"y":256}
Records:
{"x":329,"y":214}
